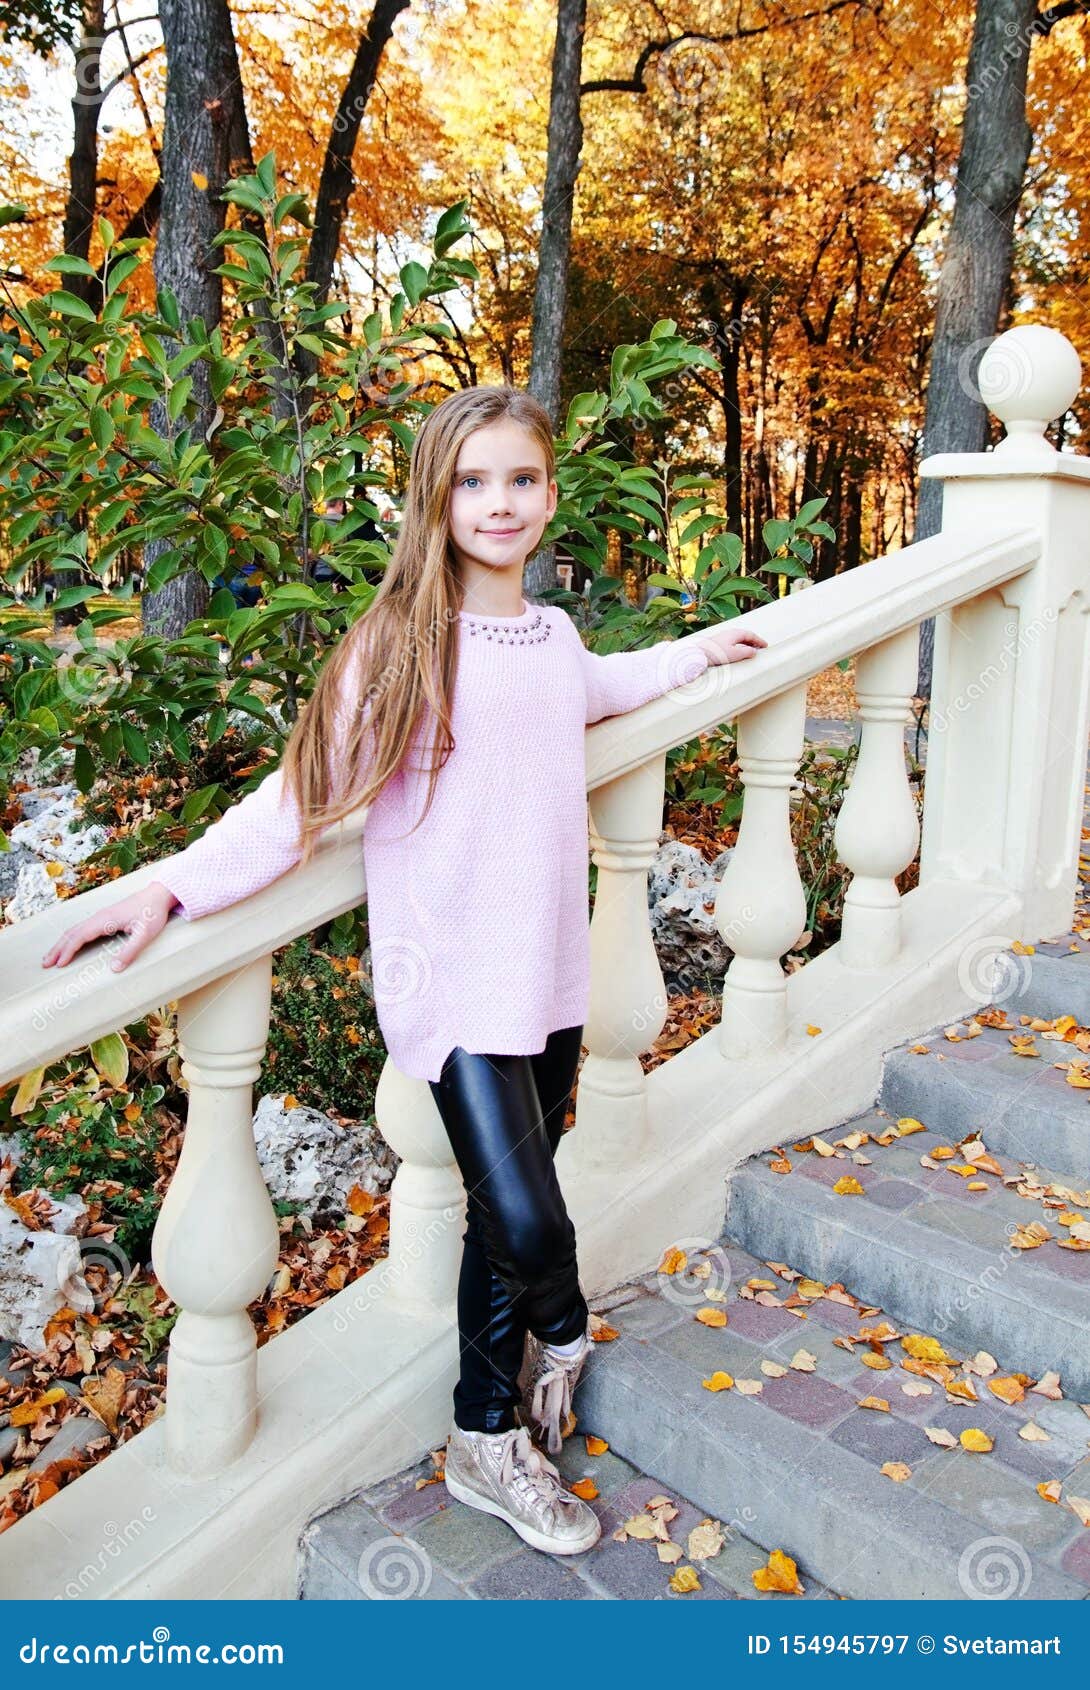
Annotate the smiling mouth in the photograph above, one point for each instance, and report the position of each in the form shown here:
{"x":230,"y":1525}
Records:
{"x":500,"y":533}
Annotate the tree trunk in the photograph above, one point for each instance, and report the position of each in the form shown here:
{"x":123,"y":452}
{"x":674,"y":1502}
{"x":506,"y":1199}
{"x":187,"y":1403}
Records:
{"x":202,"y":124}
{"x":337,"y":181}
{"x":79,"y":212}
{"x":976,"y":268}
{"x":554,"y":255}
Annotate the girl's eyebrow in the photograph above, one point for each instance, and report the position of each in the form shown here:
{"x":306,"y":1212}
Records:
{"x":523,"y":469}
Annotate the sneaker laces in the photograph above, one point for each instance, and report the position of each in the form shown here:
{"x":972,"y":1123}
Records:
{"x":551,"y":1403}
{"x":526,"y":1468}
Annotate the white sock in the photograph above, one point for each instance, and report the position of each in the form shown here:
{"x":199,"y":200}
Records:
{"x":566,"y":1349}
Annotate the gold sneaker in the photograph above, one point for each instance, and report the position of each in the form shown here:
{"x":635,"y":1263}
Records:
{"x":547,"y":1381}
{"x":502,"y":1473}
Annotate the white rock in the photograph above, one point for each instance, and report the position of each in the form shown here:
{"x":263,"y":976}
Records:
{"x":40,"y":1272}
{"x":307,"y":1158}
{"x":681,"y":897}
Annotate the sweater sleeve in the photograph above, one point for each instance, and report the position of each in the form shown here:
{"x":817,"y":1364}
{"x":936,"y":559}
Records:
{"x":255,"y":841}
{"x":622,"y":680}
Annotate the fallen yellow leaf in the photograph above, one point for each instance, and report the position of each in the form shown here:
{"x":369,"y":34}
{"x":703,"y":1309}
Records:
{"x":874,"y":1402}
{"x":685,"y":1580}
{"x":896,"y":1470}
{"x":925,"y":1349}
{"x":719,"y":1381}
{"x":848,"y":1186}
{"x":781,"y":1573}
{"x":711,"y":1317}
{"x":976,"y":1441}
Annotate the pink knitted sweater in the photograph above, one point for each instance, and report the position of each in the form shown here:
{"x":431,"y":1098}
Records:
{"x":478,"y":920}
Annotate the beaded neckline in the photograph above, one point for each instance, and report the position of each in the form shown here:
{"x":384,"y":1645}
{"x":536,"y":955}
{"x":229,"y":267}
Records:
{"x":528,"y":629}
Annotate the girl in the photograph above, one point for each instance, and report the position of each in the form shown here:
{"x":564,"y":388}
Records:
{"x":453,"y":689}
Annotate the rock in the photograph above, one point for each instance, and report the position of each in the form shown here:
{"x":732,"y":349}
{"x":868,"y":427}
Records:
{"x":681,"y":898}
{"x":40,"y":1272}
{"x":11,"y":1145}
{"x":307,"y":1158}
{"x":51,"y":833}
{"x":72,"y":1436}
{"x":12,"y":864}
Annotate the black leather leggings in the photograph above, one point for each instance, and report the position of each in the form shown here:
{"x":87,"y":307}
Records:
{"x":504,"y":1116}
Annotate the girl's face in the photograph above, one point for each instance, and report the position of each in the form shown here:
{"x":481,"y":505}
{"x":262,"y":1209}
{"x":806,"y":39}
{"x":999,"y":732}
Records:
{"x":501,"y":499}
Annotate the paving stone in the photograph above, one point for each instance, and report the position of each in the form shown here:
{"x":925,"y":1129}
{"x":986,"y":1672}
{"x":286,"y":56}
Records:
{"x":609,"y":1471}
{"x":632,"y":1571}
{"x":893,"y":1194}
{"x":464,"y":1541}
{"x":833,"y":1364}
{"x":978,"y":1486}
{"x":807,"y":1399}
{"x":409,"y":1506}
{"x":322,"y":1582}
{"x":759,"y":1321}
{"x":1075,"y":1560}
{"x":646,"y":1316}
{"x":879,"y":1437}
{"x":531,"y":1576}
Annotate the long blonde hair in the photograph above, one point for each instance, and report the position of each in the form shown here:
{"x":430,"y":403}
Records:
{"x":399,"y":660}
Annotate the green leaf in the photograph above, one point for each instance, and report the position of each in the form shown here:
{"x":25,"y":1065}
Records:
{"x":102,"y":427}
{"x":69,"y":306}
{"x":110,"y":1056}
{"x":776,"y":533}
{"x":414,"y":279}
{"x":70,"y":265}
{"x":135,"y":744}
{"x":83,"y":767}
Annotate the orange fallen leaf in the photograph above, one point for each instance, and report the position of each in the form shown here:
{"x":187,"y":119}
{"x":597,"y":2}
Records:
{"x":976,"y":1441}
{"x":848,"y":1186}
{"x":1049,"y":1489}
{"x":1007,"y":1389}
{"x":585,"y":1488}
{"x":874,"y":1402}
{"x":672,"y":1260}
{"x":595,"y":1446}
{"x":711,"y":1317}
{"x":781,"y":1573}
{"x":25,"y":1413}
{"x":896,"y":1470}
{"x":877,"y":1362}
{"x":719,"y":1381}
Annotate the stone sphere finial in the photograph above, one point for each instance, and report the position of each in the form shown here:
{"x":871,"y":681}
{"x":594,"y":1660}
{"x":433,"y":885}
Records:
{"x":1028,"y":377}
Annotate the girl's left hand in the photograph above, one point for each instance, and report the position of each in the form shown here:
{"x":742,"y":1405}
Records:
{"x":723,"y":646}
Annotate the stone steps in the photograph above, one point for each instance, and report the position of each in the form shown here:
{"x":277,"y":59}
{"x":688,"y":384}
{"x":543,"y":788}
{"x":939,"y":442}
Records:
{"x":1024,"y":1106}
{"x":925,"y":1249}
{"x":395,"y":1540}
{"x":798,"y":1466}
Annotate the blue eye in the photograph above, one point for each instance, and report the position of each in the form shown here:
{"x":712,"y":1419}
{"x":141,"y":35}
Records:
{"x":467,"y":478}
{"x":524,"y":478}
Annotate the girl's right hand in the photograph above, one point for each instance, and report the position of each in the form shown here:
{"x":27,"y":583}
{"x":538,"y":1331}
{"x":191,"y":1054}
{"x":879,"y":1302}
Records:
{"x":142,"y":916}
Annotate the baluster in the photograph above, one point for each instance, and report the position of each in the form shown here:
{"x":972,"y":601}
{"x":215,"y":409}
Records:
{"x":627,"y":1008}
{"x":760,"y":908}
{"x":216,"y":1241}
{"x":877,"y":831}
{"x":427,"y":1200}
